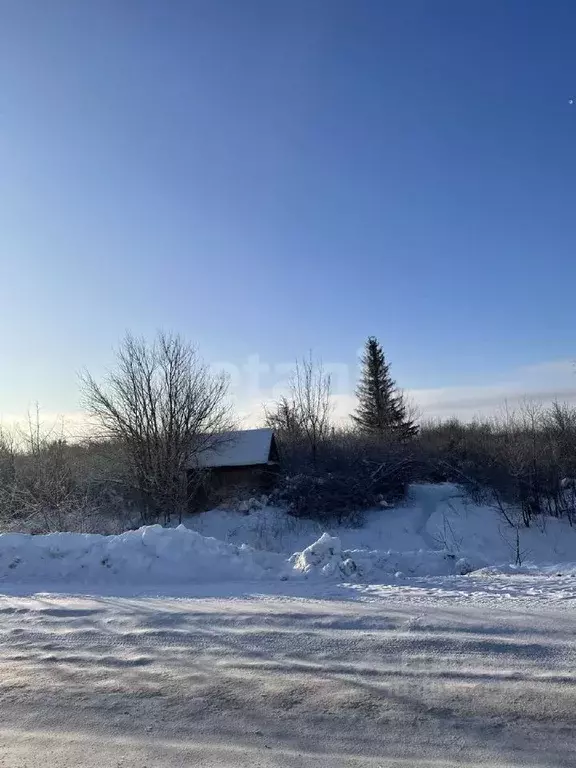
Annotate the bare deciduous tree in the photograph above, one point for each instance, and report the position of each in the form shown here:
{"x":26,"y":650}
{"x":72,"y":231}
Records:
{"x":311,"y":394}
{"x":162,"y":407}
{"x":303,"y":416}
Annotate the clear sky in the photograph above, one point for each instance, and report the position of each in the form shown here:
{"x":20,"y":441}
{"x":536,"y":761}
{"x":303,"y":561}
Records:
{"x":273,"y":176}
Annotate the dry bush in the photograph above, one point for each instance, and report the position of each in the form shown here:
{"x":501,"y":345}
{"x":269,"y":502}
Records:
{"x":519,"y":462}
{"x":48,"y":484}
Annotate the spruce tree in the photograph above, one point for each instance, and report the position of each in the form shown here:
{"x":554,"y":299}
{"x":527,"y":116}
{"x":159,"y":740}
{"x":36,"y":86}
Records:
{"x":381,"y":407}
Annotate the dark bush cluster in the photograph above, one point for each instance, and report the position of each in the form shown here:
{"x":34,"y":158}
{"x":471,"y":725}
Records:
{"x":351,"y":473}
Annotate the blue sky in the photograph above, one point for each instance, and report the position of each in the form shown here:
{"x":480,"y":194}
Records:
{"x":271,"y":177}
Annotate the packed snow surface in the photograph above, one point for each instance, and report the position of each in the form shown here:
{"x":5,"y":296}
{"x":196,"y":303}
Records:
{"x":363,"y":679}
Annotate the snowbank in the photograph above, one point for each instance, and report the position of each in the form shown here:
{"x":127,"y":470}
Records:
{"x":436,"y":534}
{"x":156,"y":555}
{"x":151,"y":554}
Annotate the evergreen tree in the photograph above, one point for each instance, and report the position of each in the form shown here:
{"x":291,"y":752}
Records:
{"x":381,"y":407}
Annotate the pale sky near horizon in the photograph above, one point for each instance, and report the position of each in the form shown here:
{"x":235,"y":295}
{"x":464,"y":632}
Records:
{"x":273,"y":176}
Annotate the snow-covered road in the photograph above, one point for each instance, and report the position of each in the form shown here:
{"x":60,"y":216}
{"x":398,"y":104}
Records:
{"x":399,"y":679}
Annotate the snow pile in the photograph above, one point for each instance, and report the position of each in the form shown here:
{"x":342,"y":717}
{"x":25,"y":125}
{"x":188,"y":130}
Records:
{"x":151,"y":554}
{"x":326,"y":558}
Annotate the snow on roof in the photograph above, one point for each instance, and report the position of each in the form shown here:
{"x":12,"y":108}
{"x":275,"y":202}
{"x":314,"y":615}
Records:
{"x":245,"y":447}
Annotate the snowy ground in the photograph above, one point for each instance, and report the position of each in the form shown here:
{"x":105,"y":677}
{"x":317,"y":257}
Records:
{"x":434,"y":518}
{"x":354,"y":677}
{"x":366,"y":647}
{"x":436,"y":534}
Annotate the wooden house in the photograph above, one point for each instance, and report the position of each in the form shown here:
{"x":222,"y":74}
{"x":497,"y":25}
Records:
{"x":242,"y":461}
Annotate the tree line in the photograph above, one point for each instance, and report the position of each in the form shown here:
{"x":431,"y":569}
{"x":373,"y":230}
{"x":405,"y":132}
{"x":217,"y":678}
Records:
{"x":160,"y":407}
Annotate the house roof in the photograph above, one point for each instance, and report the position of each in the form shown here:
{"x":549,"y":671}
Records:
{"x":245,"y":447}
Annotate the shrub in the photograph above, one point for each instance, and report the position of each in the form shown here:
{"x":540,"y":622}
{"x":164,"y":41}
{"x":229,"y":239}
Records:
{"x":521,"y":461}
{"x":351,"y":473}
